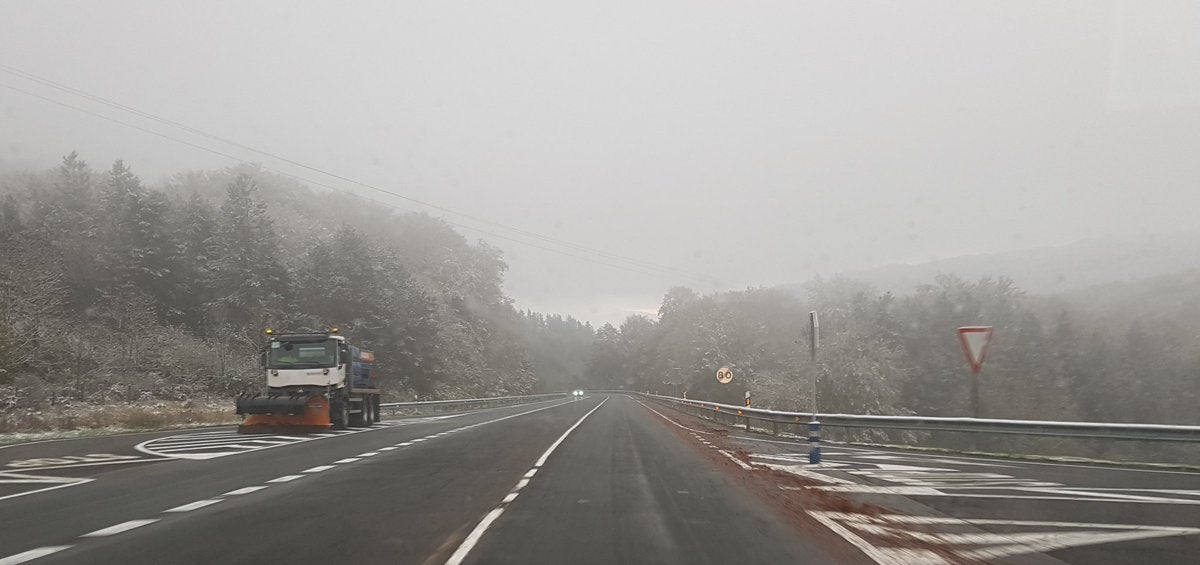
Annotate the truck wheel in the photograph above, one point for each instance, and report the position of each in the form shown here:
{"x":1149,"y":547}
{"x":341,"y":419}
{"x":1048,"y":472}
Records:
{"x":338,"y":414}
{"x":359,"y":419}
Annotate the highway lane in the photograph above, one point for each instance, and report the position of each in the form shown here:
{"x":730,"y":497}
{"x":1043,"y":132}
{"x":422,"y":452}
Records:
{"x":414,"y":493}
{"x":118,"y":494}
{"x":626,"y":489}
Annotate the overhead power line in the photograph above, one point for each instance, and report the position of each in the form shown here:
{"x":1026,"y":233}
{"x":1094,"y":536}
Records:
{"x":638,"y":265}
{"x":328,"y":186}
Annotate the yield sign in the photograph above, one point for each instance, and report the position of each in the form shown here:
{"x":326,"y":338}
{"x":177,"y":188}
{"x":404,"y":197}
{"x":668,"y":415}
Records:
{"x":974,"y":341}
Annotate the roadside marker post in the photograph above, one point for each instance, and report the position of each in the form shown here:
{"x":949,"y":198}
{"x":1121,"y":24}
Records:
{"x":814,"y":427}
{"x":814,"y":442}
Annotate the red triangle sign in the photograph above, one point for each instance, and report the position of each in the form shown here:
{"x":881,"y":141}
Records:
{"x":974,"y":341}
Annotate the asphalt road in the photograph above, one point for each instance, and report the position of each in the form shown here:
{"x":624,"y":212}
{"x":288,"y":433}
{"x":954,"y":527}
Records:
{"x":605,"y":479}
{"x":598,"y":480}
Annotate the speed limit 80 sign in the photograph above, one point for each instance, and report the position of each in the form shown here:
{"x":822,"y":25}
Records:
{"x":724,"y":375}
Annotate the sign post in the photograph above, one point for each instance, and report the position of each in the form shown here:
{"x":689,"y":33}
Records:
{"x":975,"y":341}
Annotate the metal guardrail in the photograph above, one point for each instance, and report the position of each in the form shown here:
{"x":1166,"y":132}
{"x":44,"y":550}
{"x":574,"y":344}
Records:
{"x":422,"y":407}
{"x":1093,"y":430}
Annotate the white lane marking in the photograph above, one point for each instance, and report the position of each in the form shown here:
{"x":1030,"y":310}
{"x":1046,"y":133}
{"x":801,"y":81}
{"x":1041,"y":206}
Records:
{"x":368,"y":454}
{"x":346,"y":460}
{"x":739,"y":462}
{"x":473,"y":538}
{"x":58,"y":482}
{"x":967,"y":546}
{"x":285,"y":478}
{"x":318,"y":469}
{"x":199,"y":446}
{"x":670,"y":420}
{"x":405,"y":444}
{"x":245,"y":490}
{"x":122,"y":527}
{"x":32,"y":554}
{"x":420,"y":439}
{"x":1018,"y":463}
{"x":388,"y":448}
{"x":195,"y":505}
{"x":802,"y":471}
{"x":531,"y":473}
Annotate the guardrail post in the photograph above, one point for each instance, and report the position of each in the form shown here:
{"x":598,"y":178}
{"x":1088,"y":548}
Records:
{"x":814,"y":442}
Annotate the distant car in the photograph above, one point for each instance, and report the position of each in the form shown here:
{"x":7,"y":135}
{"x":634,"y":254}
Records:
{"x":577,"y":393}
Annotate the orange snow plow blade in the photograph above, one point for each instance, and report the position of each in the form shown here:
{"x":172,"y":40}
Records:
{"x":283,"y":414}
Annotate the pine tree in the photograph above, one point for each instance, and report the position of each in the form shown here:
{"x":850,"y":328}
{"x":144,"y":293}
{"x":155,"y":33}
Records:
{"x":249,"y":283}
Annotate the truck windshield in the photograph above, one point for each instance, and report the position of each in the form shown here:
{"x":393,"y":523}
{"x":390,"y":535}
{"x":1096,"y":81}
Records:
{"x":294,"y":355}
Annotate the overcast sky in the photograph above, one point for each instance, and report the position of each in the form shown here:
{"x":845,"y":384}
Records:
{"x":741,"y":143}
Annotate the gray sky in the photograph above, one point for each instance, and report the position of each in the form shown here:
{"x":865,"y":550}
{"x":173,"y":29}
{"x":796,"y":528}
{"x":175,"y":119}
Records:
{"x":756,"y":142}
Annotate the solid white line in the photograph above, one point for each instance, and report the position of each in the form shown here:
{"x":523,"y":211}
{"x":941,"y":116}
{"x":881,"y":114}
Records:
{"x":285,"y":478}
{"x":246,"y":490}
{"x":194,"y":505}
{"x":32,"y":554}
{"x":473,"y":538}
{"x":318,"y":469}
{"x":28,"y":492}
{"x":346,"y":460}
{"x":670,"y":420}
{"x":542,"y":460}
{"x":122,"y":527}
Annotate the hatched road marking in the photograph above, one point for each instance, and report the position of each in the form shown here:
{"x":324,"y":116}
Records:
{"x":883,"y":537}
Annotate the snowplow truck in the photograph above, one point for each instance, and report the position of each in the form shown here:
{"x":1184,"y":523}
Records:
{"x":315,"y":381}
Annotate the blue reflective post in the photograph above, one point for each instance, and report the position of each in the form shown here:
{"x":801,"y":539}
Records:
{"x":814,"y":442}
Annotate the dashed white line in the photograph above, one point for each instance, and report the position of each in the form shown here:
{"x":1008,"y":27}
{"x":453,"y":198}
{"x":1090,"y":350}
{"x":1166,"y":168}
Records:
{"x":195,"y":505}
{"x":368,"y":454}
{"x":388,"y":448}
{"x":32,"y":554}
{"x":285,"y":478}
{"x":122,"y":527}
{"x":318,"y":468}
{"x":246,"y":490}
{"x":346,"y":460}
{"x":531,"y":473}
{"x":473,"y":538}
